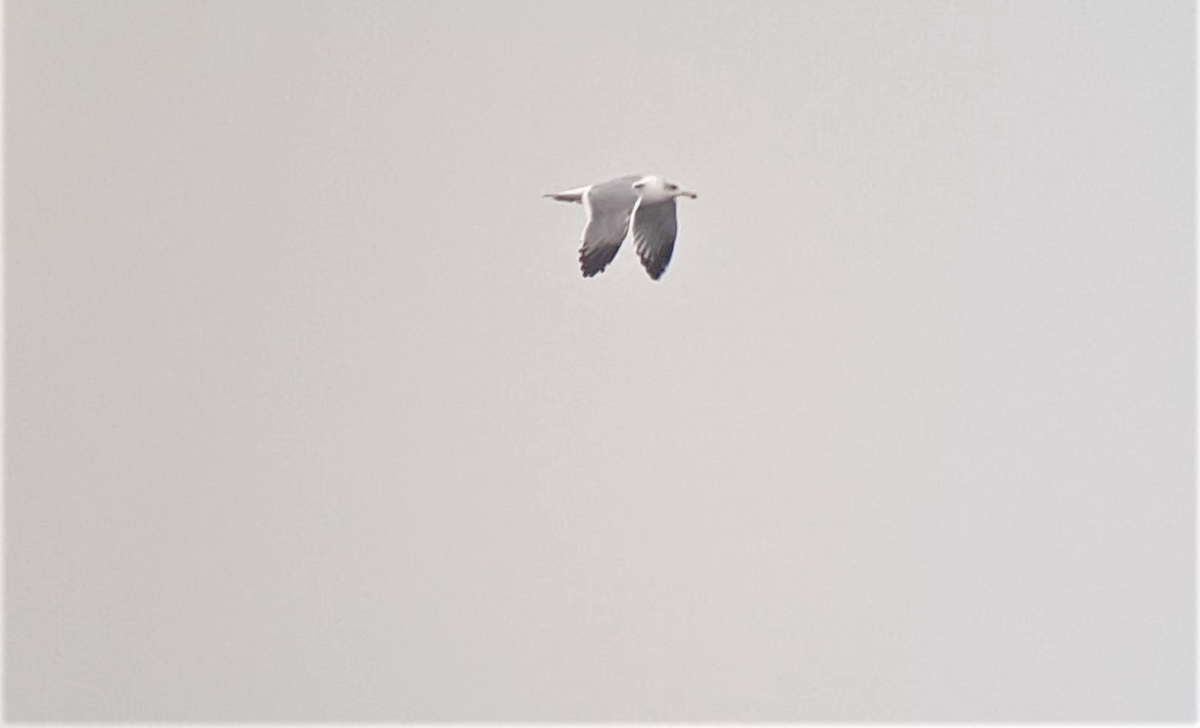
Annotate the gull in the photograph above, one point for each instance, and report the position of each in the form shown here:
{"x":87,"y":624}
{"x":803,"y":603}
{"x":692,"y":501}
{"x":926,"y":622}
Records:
{"x":643,"y":206}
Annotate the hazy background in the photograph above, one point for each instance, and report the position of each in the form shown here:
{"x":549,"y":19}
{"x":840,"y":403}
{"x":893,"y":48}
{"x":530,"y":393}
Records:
{"x":310,"y":415}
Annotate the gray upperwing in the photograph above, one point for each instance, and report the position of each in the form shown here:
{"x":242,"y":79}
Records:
{"x":608,"y":205}
{"x":654,"y":229}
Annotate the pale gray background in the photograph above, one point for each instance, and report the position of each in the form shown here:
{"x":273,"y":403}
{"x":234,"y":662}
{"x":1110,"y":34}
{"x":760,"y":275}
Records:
{"x":311,"y":416}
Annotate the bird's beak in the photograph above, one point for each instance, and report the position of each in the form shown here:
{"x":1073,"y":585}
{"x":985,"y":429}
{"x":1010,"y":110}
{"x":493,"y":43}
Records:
{"x":687,"y":193}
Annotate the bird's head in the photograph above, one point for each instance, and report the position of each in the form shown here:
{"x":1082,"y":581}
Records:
{"x":657,"y":189}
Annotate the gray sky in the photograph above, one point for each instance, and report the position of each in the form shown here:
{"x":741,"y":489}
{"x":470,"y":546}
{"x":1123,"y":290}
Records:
{"x":310,"y":415}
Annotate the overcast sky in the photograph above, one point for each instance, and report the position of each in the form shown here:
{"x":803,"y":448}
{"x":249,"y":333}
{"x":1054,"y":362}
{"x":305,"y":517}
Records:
{"x":311,"y":416}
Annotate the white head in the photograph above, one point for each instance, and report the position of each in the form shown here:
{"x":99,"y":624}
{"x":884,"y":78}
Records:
{"x":657,"y":189}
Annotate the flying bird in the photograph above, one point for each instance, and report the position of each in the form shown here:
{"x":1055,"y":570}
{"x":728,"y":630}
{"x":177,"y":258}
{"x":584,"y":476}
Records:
{"x":643,"y":206}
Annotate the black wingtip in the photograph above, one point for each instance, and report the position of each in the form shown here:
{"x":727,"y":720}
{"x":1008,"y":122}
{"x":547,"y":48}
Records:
{"x":593,"y":264}
{"x":589,"y":268}
{"x":654,"y":271}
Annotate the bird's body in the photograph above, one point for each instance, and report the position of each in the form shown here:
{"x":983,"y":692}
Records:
{"x":644,"y":206}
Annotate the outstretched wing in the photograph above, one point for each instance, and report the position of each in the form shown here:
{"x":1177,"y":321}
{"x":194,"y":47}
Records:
{"x":608,"y":207}
{"x":654,"y":229}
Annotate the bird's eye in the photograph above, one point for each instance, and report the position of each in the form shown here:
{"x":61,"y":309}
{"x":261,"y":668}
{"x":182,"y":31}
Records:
{"x":672,"y":187}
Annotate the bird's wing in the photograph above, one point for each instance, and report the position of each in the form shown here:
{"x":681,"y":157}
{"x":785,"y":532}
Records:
{"x":608,"y":207}
{"x":654,"y":229}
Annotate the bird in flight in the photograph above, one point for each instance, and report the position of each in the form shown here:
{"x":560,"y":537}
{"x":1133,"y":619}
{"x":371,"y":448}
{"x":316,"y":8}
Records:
{"x":643,"y":206}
